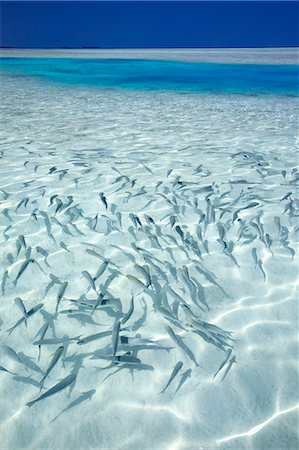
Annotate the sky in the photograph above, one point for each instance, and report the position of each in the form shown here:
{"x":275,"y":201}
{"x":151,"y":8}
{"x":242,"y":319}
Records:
{"x":45,"y":24}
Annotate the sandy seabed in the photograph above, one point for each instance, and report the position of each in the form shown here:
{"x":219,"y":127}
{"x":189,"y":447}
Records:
{"x":188,"y":203}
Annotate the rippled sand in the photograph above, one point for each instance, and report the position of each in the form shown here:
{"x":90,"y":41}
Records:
{"x":65,"y":147}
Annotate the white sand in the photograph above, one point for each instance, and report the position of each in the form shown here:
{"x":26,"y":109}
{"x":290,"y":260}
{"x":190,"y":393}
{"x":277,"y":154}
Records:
{"x":87,"y":133}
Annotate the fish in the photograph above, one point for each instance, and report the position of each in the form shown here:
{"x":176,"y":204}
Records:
{"x":103,"y":199}
{"x":4,"y":280}
{"x":23,"y":267}
{"x":221,"y":231}
{"x":101,"y":270}
{"x":286,"y":196}
{"x":179,"y":231}
{"x":20,"y":304}
{"x":12,"y":354}
{"x":175,"y":371}
{"x":143,"y":270}
{"x":94,"y":222}
{"x":26,"y":316}
{"x":184,"y":377}
{"x":115,"y":334}
{"x":176,"y":296}
{"x":89,"y":279}
{"x":255,"y":256}
{"x":44,"y":253}
{"x":268,"y":242}
{"x":231,"y":362}
{"x":22,"y":241}
{"x":5,"y":194}
{"x":260,"y":266}
{"x":179,"y":341}
{"x":5,"y":212}
{"x":26,"y":380}
{"x":23,"y":319}
{"x":127,"y":359}
{"x":228,"y":353}
{"x":41,"y":333}
{"x":130,"y":311}
{"x":23,"y":201}
{"x":94,"y":337}
{"x":136,"y":281}
{"x":5,"y":231}
{"x":48,"y":225}
{"x":119,"y":219}
{"x":84,"y":396}
{"x":53,"y":362}
{"x":77,"y":229}
{"x":28,"y":253}
{"x":54,"y":280}
{"x":82,"y":318}
{"x":93,"y":253}
{"x":67,"y":381}
{"x":28,"y":362}
{"x":62,"y":245}
{"x":54,"y":341}
{"x":289,"y":249}
{"x":60,"y":293}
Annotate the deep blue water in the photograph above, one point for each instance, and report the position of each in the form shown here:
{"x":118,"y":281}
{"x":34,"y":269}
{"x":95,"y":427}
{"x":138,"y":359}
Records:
{"x":159,"y":75}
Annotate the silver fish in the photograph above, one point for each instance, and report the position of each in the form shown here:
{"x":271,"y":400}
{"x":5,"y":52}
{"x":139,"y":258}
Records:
{"x":12,"y":354}
{"x":20,"y":304}
{"x":130,"y":311}
{"x":93,"y":337}
{"x":22,"y":241}
{"x":54,"y":341}
{"x":142,"y":270}
{"x":104,"y":200}
{"x":175,"y":371}
{"x":62,"y":245}
{"x":67,"y":381}
{"x":179,"y":341}
{"x":22,"y":269}
{"x":254,"y":255}
{"x":41,"y":334}
{"x":115,"y":334}
{"x":184,"y":377}
{"x":89,"y":279}
{"x":101,"y":270}
{"x":4,"y":280}
{"x":228,"y":353}
{"x":231,"y":362}
{"x":54,"y":360}
{"x":136,"y":281}
{"x":60,"y":293}
{"x":26,"y":316}
{"x":84,"y":396}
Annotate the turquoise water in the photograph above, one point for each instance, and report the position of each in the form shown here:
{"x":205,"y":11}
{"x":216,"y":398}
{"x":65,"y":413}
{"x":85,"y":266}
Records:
{"x":159,"y":75}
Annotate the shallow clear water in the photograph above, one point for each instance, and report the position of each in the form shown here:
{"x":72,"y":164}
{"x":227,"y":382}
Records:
{"x":223,"y":168}
{"x":160,"y":75}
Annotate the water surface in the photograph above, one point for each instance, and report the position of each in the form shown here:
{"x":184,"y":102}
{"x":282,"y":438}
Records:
{"x":159,"y":75}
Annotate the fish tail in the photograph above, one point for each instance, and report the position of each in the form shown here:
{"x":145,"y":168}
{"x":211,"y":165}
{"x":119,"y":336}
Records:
{"x":163,"y":390}
{"x":30,"y":403}
{"x":55,"y":418}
